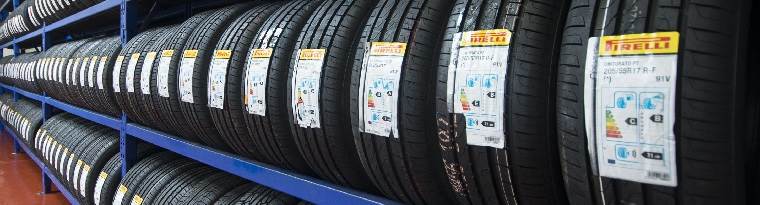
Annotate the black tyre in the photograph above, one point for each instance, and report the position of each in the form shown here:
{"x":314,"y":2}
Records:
{"x":192,"y":87}
{"x":166,"y":79}
{"x":401,"y":163}
{"x":487,"y":167}
{"x":225,"y":75}
{"x":328,"y":147}
{"x":711,"y":136}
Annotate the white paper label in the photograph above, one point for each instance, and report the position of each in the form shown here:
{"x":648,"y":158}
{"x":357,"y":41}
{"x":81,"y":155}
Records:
{"x":99,"y":186}
{"x":256,"y":73}
{"x":130,"y":77}
{"x":162,"y":80}
{"x":116,"y":73}
{"x":217,"y":78}
{"x":381,"y":74}
{"x":91,"y":72}
{"x":76,"y":173}
{"x":83,"y":179}
{"x":83,"y":71}
{"x":306,"y":82}
{"x":146,"y":71}
{"x":72,"y":157}
{"x":119,"y":194}
{"x":101,"y":69}
{"x":479,"y":70}
{"x":635,"y":107}
{"x":186,"y":75}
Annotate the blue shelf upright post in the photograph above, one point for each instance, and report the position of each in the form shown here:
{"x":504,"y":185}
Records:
{"x":16,"y":146}
{"x":45,"y":39}
{"x":47,"y":112}
{"x":127,"y":29}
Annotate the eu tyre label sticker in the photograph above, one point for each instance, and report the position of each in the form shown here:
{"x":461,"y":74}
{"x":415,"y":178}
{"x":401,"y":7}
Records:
{"x":116,"y":73}
{"x":186,"y":75}
{"x":256,"y":72}
{"x":83,"y":179}
{"x":217,"y":77}
{"x":101,"y":69}
{"x":130,"y":77}
{"x":91,"y":71}
{"x":145,"y":72}
{"x":306,"y":82}
{"x":478,"y":74}
{"x":381,"y":75}
{"x":83,"y":70}
{"x":99,"y":186}
{"x":119,"y":194}
{"x":162,"y":80}
{"x":634,"y":107}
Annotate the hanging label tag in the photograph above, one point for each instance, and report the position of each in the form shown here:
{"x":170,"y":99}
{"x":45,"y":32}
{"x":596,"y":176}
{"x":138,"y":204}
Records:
{"x":478,"y":73}
{"x":99,"y":186}
{"x":162,"y":80}
{"x":306,"y":82}
{"x":217,"y":78}
{"x":635,"y":107}
{"x":130,"y":77}
{"x":381,"y":74}
{"x":117,"y":73}
{"x":145,"y":72}
{"x":101,"y":68}
{"x":186,"y":75}
{"x":256,"y":81}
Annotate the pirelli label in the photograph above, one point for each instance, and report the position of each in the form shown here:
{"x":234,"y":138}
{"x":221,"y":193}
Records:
{"x":387,"y":49}
{"x":222,"y":54}
{"x":167,"y":53}
{"x":630,"y":94}
{"x":495,"y":37}
{"x":638,"y":44}
{"x":190,"y":54}
{"x":261,"y":53}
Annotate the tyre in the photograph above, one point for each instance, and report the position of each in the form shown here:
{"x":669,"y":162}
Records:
{"x":154,"y":163}
{"x":483,"y":165}
{"x":224,"y":78}
{"x":140,"y":100}
{"x":327,"y":146}
{"x":256,"y":194}
{"x":401,"y":163}
{"x":710,"y":90}
{"x":193,"y":72}
{"x":127,"y":61}
{"x":166,"y":79}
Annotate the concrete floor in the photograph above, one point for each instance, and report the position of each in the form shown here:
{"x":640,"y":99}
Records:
{"x":20,"y":179}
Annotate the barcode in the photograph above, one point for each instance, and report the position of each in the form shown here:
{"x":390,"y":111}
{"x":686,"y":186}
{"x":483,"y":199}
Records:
{"x":658,"y":175}
{"x":493,"y":140}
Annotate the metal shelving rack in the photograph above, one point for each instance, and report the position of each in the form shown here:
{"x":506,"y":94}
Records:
{"x":303,"y":187}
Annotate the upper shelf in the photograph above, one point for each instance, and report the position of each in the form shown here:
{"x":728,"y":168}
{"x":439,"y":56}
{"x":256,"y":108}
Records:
{"x":93,"y":10}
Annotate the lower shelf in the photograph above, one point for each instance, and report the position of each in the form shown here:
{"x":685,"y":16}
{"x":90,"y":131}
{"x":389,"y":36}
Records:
{"x":73,"y":200}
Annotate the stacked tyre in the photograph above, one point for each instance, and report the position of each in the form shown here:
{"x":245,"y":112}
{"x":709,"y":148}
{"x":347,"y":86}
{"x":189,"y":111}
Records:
{"x":22,"y":117}
{"x":31,"y":15}
{"x":167,"y":178}
{"x":20,"y":71}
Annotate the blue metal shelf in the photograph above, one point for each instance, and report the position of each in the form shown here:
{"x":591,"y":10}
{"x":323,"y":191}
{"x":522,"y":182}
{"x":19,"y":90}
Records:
{"x":303,"y":187}
{"x":96,"y":9}
{"x":73,"y":200}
